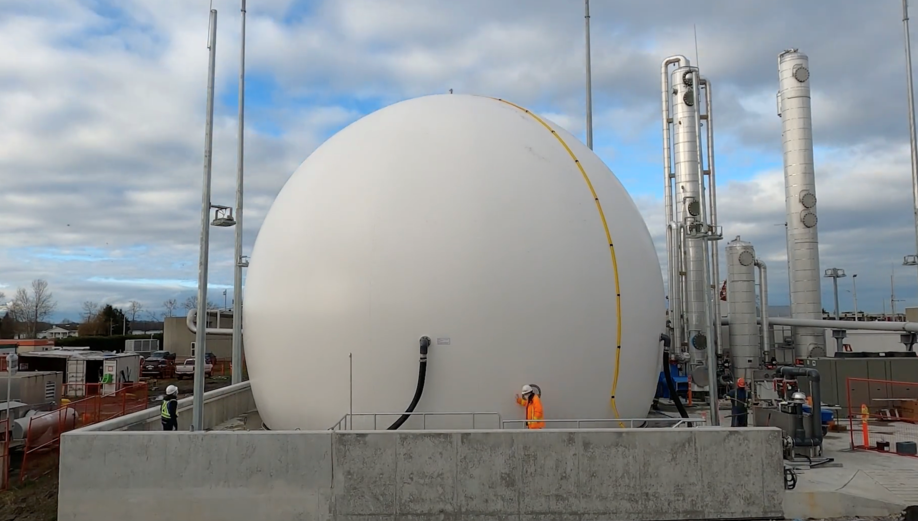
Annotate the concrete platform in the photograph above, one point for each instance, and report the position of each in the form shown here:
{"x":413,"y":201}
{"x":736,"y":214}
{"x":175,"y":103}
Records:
{"x":586,"y":475}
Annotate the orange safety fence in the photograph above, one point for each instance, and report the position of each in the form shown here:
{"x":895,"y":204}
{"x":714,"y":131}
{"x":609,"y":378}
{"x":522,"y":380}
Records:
{"x":4,"y":454}
{"x":222,"y":367}
{"x":883,"y":415}
{"x":42,"y":441}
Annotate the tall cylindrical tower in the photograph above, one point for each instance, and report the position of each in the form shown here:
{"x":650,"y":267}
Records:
{"x":744,"y":331}
{"x":800,"y":196}
{"x":690,"y":209}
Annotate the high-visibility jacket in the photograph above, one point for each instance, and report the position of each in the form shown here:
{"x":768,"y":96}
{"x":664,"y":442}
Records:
{"x":164,"y":410}
{"x":533,"y":412}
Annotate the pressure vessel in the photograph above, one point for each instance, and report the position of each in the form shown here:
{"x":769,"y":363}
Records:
{"x":475,"y":223}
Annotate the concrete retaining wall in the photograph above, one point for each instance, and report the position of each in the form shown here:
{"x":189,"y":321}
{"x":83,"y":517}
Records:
{"x":220,"y":405}
{"x":660,"y":474}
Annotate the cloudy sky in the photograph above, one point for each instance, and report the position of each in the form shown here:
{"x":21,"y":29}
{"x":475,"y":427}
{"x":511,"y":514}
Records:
{"x":102,"y":119}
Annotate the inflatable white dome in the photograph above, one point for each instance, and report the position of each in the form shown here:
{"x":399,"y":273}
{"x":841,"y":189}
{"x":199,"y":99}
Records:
{"x":472,"y":222}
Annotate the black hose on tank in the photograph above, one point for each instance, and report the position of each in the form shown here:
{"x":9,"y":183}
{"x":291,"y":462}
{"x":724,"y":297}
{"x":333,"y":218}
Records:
{"x":419,"y":390}
{"x":669,"y":378}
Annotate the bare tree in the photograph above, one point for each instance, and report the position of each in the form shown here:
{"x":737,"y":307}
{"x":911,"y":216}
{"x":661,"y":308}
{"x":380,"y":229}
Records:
{"x":90,"y":310}
{"x":192,"y":303}
{"x":170,"y":306}
{"x":134,"y":308}
{"x":30,"y":309}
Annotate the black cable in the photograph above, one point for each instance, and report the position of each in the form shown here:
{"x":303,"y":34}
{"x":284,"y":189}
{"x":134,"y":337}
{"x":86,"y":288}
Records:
{"x":790,"y":478}
{"x":669,"y":377}
{"x":419,"y":390}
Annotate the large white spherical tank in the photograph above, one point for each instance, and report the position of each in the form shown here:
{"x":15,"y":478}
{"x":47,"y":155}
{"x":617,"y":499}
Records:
{"x":465,"y":219}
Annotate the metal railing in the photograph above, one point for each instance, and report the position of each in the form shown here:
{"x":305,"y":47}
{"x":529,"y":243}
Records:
{"x":347,"y":421}
{"x":630,"y":422}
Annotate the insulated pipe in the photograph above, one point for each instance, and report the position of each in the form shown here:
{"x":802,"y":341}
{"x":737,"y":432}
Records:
{"x":675,"y":282}
{"x":673,"y":247}
{"x":816,"y":419}
{"x":707,"y":313}
{"x":763,"y":303}
{"x":712,"y":202}
{"x":193,"y":326}
{"x":847,"y":325}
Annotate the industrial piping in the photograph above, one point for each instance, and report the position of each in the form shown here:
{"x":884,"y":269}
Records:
{"x":712,"y":203}
{"x":675,"y":279}
{"x":816,"y":418}
{"x":670,"y":384}
{"x":763,"y":303}
{"x":848,"y":325}
{"x":193,"y":326}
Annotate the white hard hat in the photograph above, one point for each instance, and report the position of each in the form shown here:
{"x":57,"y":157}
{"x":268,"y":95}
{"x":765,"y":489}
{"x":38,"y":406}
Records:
{"x":527,"y":389}
{"x":172,"y":389}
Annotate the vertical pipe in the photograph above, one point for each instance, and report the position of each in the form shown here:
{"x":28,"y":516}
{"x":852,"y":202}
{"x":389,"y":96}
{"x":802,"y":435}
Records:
{"x":237,"y":255}
{"x":197,"y":422}
{"x":763,"y":303}
{"x":672,"y":249}
{"x":589,"y":78}
{"x":911,"y":115}
{"x":712,"y":183}
{"x":854,"y":280}
{"x":835,"y":291}
{"x":708,"y":327}
{"x":350,"y":359}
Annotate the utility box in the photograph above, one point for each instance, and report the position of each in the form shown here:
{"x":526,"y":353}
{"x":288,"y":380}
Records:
{"x":141,"y":345}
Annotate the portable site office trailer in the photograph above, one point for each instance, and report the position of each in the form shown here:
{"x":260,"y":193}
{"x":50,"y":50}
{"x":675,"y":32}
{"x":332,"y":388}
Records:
{"x":81,"y":368}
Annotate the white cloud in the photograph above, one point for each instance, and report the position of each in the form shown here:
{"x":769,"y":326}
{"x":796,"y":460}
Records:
{"x":101,"y":139}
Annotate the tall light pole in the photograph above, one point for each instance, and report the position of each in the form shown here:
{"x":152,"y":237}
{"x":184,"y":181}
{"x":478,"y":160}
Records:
{"x":854,"y":281}
{"x":237,"y":256}
{"x":589,"y":79}
{"x":12,"y":365}
{"x":197,"y":419}
{"x":835,"y":274}
{"x":911,"y":260}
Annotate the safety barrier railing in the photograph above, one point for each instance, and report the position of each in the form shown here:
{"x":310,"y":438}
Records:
{"x":347,"y":421}
{"x":42,"y":437}
{"x":630,"y":423}
{"x":883,"y":415}
{"x":83,"y":390}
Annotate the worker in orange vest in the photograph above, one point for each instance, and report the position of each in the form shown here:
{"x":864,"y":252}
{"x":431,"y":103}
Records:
{"x":533,"y":404}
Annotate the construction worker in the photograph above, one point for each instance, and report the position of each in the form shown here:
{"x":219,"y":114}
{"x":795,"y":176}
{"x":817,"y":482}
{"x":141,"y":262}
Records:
{"x":168,"y":411}
{"x":533,"y":404}
{"x":738,"y":406}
